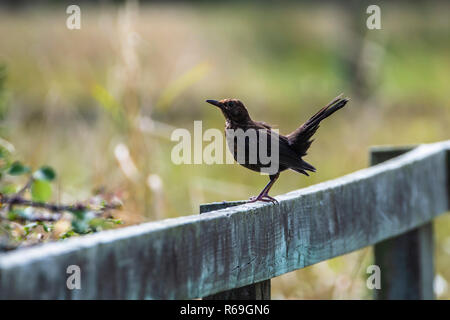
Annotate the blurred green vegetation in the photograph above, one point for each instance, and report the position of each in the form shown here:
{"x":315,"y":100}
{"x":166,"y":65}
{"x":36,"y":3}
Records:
{"x":99,"y":104}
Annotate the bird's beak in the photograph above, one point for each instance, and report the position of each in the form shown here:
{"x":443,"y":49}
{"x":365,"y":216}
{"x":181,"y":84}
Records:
{"x":215,"y":103}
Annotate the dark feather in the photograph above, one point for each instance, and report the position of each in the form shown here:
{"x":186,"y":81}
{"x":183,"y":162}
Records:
{"x":300,"y":139}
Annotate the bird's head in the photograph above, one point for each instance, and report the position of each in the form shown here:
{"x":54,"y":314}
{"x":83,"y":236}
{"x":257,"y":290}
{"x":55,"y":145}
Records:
{"x":232,"y":109}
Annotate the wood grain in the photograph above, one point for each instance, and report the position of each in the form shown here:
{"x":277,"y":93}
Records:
{"x":256,"y":291}
{"x":405,"y":261}
{"x":199,"y":255}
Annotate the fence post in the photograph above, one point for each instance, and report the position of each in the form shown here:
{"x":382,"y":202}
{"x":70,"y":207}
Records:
{"x":256,"y":291}
{"x":405,"y":261}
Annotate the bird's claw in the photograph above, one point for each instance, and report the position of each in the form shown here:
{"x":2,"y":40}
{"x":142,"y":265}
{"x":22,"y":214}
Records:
{"x":264,"y":198}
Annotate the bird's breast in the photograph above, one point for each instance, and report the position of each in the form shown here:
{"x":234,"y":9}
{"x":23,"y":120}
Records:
{"x":245,"y":143}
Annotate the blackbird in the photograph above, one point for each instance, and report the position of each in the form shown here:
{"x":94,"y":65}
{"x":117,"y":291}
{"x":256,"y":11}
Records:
{"x":291,"y":148}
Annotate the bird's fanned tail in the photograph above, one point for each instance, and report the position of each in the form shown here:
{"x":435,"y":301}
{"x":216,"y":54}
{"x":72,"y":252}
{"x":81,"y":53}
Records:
{"x":300,"y":139}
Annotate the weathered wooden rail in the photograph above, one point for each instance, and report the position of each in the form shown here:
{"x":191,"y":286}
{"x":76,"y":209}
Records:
{"x":234,"y":252}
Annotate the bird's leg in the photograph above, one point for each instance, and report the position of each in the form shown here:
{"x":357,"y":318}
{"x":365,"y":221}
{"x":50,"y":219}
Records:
{"x":264,"y":195}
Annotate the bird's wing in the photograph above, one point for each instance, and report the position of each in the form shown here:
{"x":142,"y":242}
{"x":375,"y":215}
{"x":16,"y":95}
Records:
{"x":263,"y":124}
{"x":288,"y":158}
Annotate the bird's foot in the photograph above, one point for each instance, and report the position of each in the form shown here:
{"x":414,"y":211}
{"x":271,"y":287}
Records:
{"x":264,"y":198}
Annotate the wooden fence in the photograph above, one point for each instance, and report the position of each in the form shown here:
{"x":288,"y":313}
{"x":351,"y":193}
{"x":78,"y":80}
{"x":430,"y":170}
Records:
{"x":233,"y":252}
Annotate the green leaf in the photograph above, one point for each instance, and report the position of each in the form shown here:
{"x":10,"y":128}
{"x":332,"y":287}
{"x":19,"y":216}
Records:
{"x":3,"y":153}
{"x":81,"y":224}
{"x":116,"y":221}
{"x":45,"y":173}
{"x":41,"y":190}
{"x":79,"y":214}
{"x":46,"y":227}
{"x":99,"y":224}
{"x":29,"y":227}
{"x":68,"y":234}
{"x":12,"y":215}
{"x":17,"y":169}
{"x":8,"y":189}
{"x":5,"y":156}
